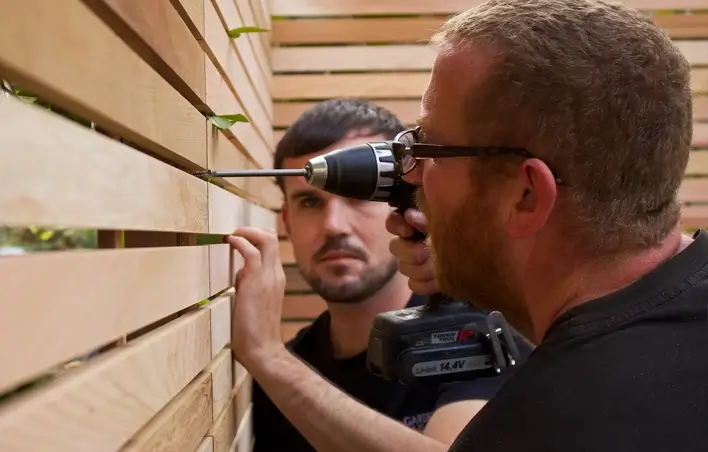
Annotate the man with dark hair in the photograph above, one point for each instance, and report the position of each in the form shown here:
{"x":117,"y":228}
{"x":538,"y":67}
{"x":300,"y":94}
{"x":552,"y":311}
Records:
{"x":568,"y":126}
{"x":317,"y":394}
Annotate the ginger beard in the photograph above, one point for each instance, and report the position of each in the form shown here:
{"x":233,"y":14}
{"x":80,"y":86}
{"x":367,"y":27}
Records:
{"x":472,"y":261}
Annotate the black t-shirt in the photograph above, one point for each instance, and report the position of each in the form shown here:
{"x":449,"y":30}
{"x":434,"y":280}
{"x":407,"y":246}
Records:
{"x":624,"y":373}
{"x":410,"y":406}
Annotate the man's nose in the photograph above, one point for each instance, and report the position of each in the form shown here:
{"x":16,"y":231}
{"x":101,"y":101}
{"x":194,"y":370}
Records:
{"x":337,"y":217}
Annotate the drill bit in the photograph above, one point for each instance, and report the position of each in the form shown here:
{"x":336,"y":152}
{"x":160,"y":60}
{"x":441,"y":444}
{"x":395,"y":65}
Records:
{"x":252,"y":173}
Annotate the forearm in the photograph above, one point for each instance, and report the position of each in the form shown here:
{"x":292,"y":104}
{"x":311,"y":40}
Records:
{"x":327,"y":417}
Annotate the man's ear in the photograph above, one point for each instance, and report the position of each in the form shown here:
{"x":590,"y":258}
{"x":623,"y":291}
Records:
{"x":284,"y":217}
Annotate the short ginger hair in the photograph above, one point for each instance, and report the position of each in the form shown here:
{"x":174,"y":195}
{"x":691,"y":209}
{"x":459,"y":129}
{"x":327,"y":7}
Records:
{"x":598,"y":91}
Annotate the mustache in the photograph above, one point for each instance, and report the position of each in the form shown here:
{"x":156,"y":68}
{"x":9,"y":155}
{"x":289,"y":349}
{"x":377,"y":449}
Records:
{"x":339,"y":244}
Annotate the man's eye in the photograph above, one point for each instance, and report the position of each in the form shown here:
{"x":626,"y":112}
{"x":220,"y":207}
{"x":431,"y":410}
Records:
{"x":310,"y":202}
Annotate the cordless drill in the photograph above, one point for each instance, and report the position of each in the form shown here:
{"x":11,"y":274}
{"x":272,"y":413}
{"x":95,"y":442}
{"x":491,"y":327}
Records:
{"x":441,"y":341}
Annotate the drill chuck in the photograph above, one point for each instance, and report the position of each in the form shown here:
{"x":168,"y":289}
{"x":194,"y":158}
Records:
{"x":366,"y":172}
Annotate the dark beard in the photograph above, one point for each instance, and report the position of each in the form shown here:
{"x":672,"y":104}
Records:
{"x":368,"y":285}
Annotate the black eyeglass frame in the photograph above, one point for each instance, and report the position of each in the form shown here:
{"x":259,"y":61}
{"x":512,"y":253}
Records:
{"x":421,"y":151}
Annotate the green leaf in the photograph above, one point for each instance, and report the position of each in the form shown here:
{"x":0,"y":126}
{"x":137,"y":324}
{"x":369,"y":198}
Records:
{"x":226,"y":121}
{"x":236,"y":32}
{"x":46,"y":235}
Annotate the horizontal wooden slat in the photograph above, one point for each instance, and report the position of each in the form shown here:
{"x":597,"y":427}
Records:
{"x":700,"y":134}
{"x":227,"y":212}
{"x":420,"y":29}
{"x":192,"y":12}
{"x":79,"y":169}
{"x":303,"y":306}
{"x":286,"y":113}
{"x":95,"y":295}
{"x":407,"y":57}
{"x":207,"y":445}
{"x":224,"y":154}
{"x":182,"y":424}
{"x":259,"y":41}
{"x":295,"y":281}
{"x":694,"y":190}
{"x":223,"y":265}
{"x":99,"y":406}
{"x":698,"y":163}
{"x":155,"y":31}
{"x":71,"y":69}
{"x":221,"y":370}
{"x":380,"y":7}
{"x":695,"y":216}
{"x":220,"y":16}
{"x":387,"y":85}
{"x":289,"y":330}
{"x":220,"y":315}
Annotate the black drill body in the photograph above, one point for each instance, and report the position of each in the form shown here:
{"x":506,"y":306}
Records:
{"x":444,"y":340}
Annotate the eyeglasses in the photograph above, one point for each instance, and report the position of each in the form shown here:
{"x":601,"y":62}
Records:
{"x":412,"y":151}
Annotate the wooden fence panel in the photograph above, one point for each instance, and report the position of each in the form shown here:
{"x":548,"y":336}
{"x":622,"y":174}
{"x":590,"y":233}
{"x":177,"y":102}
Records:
{"x":116,"y":286}
{"x":379,"y":50}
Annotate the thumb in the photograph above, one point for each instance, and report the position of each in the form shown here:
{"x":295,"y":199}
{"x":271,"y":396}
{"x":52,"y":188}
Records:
{"x":416,"y":219}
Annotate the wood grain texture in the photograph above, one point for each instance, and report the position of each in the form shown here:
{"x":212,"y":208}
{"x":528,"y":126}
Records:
{"x":96,"y":295}
{"x":295,"y":282}
{"x":694,"y":190}
{"x":285,"y":113}
{"x":223,"y":265}
{"x":260,"y":46}
{"x":228,"y":212}
{"x":158,"y":34}
{"x":101,"y":405}
{"x":246,"y":151}
{"x":695,"y":216}
{"x":207,"y":445}
{"x":220,"y":315}
{"x":182,"y":424}
{"x":312,"y":8}
{"x":72,"y":68}
{"x":698,"y":164}
{"x":244,"y":435}
{"x":83,"y":167}
{"x":225,"y":48}
{"x":401,"y":57}
{"x":225,"y":425}
{"x":410,"y":30}
{"x":222,"y":378}
{"x":192,"y":13}
{"x":303,"y":306}
{"x":227,"y":95}
{"x":388,"y":85}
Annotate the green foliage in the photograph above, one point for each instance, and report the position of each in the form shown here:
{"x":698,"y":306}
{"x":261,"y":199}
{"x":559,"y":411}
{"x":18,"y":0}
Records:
{"x":34,"y":238}
{"x":237,"y":32}
{"x":224,"y":122}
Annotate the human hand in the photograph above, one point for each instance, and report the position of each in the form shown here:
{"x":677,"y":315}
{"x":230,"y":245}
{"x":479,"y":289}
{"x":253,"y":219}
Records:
{"x":260,"y":288}
{"x":413,"y":257}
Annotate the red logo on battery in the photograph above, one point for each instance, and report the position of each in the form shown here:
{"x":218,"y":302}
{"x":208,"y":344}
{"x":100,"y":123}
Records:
{"x":464,"y":335}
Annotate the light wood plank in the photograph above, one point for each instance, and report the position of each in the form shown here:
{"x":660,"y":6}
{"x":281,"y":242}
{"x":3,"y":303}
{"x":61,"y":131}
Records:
{"x":78,"y":169}
{"x":224,"y":429}
{"x":285,"y":113}
{"x":259,"y":41}
{"x":228,"y":64}
{"x":695,"y":216}
{"x":289,"y":330}
{"x":228,"y":212}
{"x":207,"y":445}
{"x":694,"y":190}
{"x":182,"y":424}
{"x":313,"y":8}
{"x":220,"y":314}
{"x":158,"y":34}
{"x":700,"y":134}
{"x":244,"y":435}
{"x":224,"y":47}
{"x":101,"y":405}
{"x":192,"y":12}
{"x":303,"y":306}
{"x":96,"y":295}
{"x":386,"y":85}
{"x":419,"y":29}
{"x":223,"y":265}
{"x":287,"y":253}
{"x":698,"y":164}
{"x":295,"y":281}
{"x":72,"y":68}
{"x":402,"y":57}
{"x":221,"y":371}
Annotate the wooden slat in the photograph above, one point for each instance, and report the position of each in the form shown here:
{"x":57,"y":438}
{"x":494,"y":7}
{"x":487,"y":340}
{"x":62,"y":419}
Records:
{"x":223,"y":265}
{"x":698,"y":163}
{"x":224,"y":429}
{"x":192,"y":12}
{"x":285,"y":113}
{"x":227,"y":18}
{"x":289,"y":330}
{"x":207,"y":445}
{"x":223,"y":154}
{"x":71,"y":70}
{"x":287,"y":254}
{"x":259,"y":41}
{"x":313,"y":8}
{"x":420,"y":29}
{"x":387,"y":85}
{"x":303,"y":306}
{"x":404,"y":57}
{"x":244,"y":435}
{"x":227,"y":211}
{"x":220,"y":315}
{"x":700,"y":134}
{"x":160,"y":36}
{"x":295,"y":281}
{"x":224,"y":58}
{"x":99,"y":406}
{"x":96,"y":295}
{"x":78,"y":169}
{"x":221,"y":371}
{"x":182,"y":424}
{"x":262,"y":18}
{"x":695,"y":216}
{"x":694,"y":190}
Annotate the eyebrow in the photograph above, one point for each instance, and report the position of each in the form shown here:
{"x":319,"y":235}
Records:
{"x":302,"y":193}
